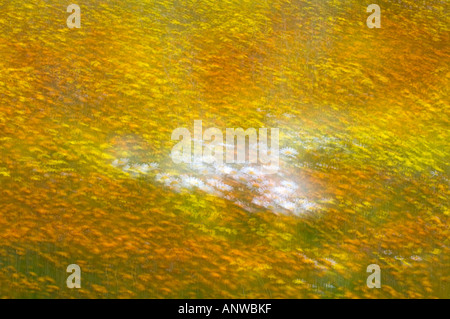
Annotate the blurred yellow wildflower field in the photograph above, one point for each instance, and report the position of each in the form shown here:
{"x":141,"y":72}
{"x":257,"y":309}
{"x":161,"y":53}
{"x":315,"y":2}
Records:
{"x":86,"y":177}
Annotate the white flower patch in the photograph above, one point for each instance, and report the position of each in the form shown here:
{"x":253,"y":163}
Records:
{"x":190,"y":181}
{"x":289,"y":184}
{"x":250,"y":171}
{"x":288,"y":152}
{"x":219,"y":185}
{"x":282,"y":191}
{"x":224,"y":169}
{"x":288,"y":205}
{"x":306,"y":205}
